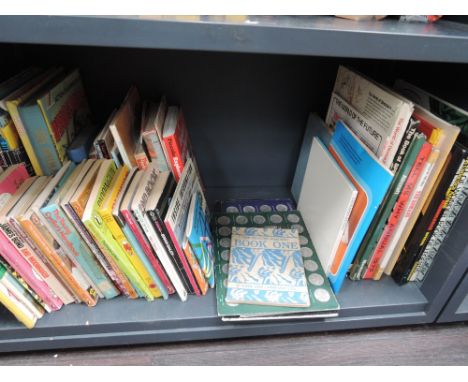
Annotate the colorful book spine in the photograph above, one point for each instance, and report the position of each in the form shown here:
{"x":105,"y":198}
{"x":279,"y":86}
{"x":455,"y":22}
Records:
{"x":8,"y":131}
{"x":140,"y":156}
{"x":177,"y":143}
{"x":398,"y":209}
{"x":22,"y":314}
{"x":65,"y":234}
{"x":197,"y":271}
{"x":405,"y":144}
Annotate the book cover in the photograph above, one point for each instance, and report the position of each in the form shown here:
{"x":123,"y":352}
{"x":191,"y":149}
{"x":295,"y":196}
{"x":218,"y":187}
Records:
{"x":141,"y":158}
{"x":409,"y":136}
{"x":255,"y":205}
{"x":196,"y":268}
{"x":104,"y":141}
{"x":105,"y":212}
{"x":16,"y":307}
{"x":323,"y":302}
{"x":125,"y":125}
{"x":152,"y":133}
{"x":266,"y":267}
{"x":372,"y":179}
{"x":176,"y":141}
{"x":324,"y":185}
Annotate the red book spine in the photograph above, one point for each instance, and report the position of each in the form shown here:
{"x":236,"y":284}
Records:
{"x":177,"y":147}
{"x":183,"y":259}
{"x":398,"y":209}
{"x":148,"y":251}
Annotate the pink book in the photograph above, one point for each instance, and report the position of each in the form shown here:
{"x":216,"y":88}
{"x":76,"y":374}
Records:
{"x":12,"y":178}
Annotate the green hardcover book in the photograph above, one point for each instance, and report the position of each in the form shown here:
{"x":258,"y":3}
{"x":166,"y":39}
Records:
{"x":378,"y":224}
{"x":323,"y":302}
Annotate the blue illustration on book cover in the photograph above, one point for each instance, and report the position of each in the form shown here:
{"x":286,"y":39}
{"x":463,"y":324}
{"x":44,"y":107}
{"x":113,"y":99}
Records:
{"x":266,"y":268}
{"x":200,"y":239}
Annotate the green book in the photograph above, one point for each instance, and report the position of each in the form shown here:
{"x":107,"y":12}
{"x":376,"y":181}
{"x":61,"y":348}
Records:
{"x":378,"y":224}
{"x":323,"y":302}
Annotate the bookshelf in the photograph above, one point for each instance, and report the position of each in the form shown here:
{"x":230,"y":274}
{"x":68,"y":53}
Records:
{"x":246,"y":89}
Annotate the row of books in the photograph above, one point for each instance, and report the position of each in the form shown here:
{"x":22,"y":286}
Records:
{"x":381,"y":181}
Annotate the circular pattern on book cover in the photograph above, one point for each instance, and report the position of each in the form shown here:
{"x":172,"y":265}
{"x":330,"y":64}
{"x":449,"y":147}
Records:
{"x":265,"y":208}
{"x":232,"y":209}
{"x":321,"y":295}
{"x":259,"y":219}
{"x":225,"y":242}
{"x":224,"y":220}
{"x":225,"y":269}
{"x":303,"y":240}
{"x":224,"y":231}
{"x":282,"y":207}
{"x":306,"y":252}
{"x":293,"y":218}
{"x":241,"y":219}
{"x":225,"y":255}
{"x":299,"y":227}
{"x":310,"y":265}
{"x":248,"y":209}
{"x":276,"y":219}
{"x":316,"y":279}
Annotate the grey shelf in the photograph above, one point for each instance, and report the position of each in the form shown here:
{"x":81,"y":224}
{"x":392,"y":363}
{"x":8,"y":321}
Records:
{"x":444,"y":41}
{"x":457,"y":307}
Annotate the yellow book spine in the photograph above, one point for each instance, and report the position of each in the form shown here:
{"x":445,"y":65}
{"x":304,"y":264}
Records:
{"x":10,"y":135}
{"x":12,"y":107}
{"x":59,"y":145}
{"x":22,"y":314}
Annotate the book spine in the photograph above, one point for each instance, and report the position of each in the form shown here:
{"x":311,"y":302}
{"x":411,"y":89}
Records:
{"x":33,"y":228}
{"x":20,"y":265}
{"x":65,"y":234}
{"x":132,"y":262}
{"x":39,"y":260}
{"x":9,"y":133}
{"x":106,"y":262}
{"x":404,"y":146}
{"x":14,"y":113}
{"x":198,"y":273}
{"x":149,"y":252}
{"x":22,"y":314}
{"x":102,"y":149}
{"x":175,"y":155}
{"x":398,"y":209}
{"x":183,"y":259}
{"x":160,"y":228}
{"x":141,"y":160}
{"x":155,"y":149}
{"x":454,"y":204}
{"x":165,"y":259}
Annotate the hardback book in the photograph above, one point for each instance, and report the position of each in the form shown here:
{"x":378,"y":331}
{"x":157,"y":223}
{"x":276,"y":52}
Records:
{"x":33,"y":226}
{"x":381,"y":116}
{"x":445,"y":137}
{"x":176,"y":141}
{"x":429,"y":215}
{"x":124,"y":217}
{"x":15,"y":259}
{"x":372,"y":179}
{"x":11,"y":179}
{"x":266,"y":268}
{"x":323,"y":302}
{"x":199,"y":238}
{"x":15,"y":99}
{"x":176,"y":215}
{"x":125,"y":126}
{"x":73,"y":204}
{"x":105,"y":211}
{"x":101,"y":232}
{"x":104,"y":141}
{"x":152,"y":133}
{"x":379,"y":222}
{"x":325,"y":184}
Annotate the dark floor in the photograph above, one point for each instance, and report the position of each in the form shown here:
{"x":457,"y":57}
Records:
{"x":417,"y":345}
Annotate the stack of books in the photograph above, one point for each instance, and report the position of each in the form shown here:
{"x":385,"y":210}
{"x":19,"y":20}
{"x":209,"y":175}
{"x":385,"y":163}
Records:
{"x":381,"y":181}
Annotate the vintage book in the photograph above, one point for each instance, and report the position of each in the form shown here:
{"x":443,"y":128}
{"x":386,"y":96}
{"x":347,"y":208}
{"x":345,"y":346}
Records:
{"x":9,"y":158}
{"x":123,"y":214}
{"x":105,"y":211}
{"x":175,"y":219}
{"x":141,"y":158}
{"x":33,"y":226}
{"x":323,"y":302}
{"x":104,"y":142}
{"x":176,"y":141}
{"x":13,"y":256}
{"x":152,"y":133}
{"x":372,"y":180}
{"x":379,"y":116}
{"x":454,"y":202}
{"x":125,"y":126}
{"x":379,"y":222}
{"x":200,"y":239}
{"x":429,"y":215}
{"x":73,"y":204}
{"x":101,"y":232}
{"x":445,"y":137}
{"x":325,"y":184}
{"x":266,"y":268}
{"x":409,"y":137}
{"x":15,"y":99}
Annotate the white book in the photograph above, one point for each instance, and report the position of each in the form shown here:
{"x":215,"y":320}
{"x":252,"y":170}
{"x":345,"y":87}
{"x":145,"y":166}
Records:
{"x":325,"y":200}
